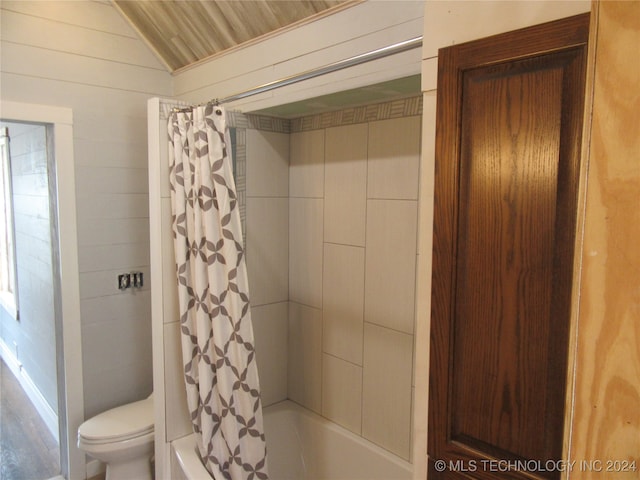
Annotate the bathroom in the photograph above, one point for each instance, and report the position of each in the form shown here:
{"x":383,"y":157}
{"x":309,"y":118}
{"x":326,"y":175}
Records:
{"x":111,"y":169}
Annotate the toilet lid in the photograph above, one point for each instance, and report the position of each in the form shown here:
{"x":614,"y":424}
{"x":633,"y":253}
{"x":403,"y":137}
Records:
{"x":120,"y":423}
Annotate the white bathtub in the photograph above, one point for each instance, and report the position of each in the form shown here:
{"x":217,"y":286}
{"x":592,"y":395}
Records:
{"x":303,"y":446}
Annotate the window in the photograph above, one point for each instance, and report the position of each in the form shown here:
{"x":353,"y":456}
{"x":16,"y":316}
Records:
{"x":8,"y":285}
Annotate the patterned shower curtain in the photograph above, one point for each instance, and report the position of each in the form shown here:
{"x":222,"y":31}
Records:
{"x":223,"y":390}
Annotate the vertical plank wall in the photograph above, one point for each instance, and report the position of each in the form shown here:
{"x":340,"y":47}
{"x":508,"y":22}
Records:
{"x":606,"y":423}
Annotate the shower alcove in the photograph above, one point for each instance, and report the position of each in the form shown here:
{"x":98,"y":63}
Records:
{"x":328,"y":191}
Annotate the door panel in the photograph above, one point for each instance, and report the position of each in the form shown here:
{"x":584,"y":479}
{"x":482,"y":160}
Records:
{"x":507,"y":162}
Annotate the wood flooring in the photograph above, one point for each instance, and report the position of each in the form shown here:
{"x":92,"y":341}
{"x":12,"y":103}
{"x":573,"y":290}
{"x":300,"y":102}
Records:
{"x":28,"y":451}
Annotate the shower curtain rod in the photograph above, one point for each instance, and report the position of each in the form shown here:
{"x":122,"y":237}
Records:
{"x":332,"y":67}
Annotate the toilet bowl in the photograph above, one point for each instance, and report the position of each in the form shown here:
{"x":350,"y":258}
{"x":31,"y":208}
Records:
{"x":122,"y":438}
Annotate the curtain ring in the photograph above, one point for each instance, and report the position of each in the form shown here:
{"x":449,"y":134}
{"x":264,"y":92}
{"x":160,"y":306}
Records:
{"x":216,"y":104}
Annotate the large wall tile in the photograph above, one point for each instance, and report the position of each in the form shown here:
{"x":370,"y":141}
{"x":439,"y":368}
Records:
{"x":391,"y":263}
{"x":305,"y":356}
{"x":306,"y":170}
{"x":178,"y":423}
{"x":305,"y":251}
{"x":342,"y":393}
{"x":267,"y":164}
{"x":267,"y":249}
{"x":386,"y":387}
{"x":345,"y":189}
{"x":270,"y":327}
{"x":343,"y":301}
{"x":394,"y":158}
{"x":367,"y":267}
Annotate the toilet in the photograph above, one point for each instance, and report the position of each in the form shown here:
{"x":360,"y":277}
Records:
{"x":122,"y":438}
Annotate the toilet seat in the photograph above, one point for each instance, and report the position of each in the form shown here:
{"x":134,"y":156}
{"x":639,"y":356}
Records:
{"x":119,"y":424}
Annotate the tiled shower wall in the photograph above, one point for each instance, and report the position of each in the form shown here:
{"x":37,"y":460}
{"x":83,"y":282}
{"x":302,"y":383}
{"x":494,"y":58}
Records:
{"x":264,"y":171}
{"x":352,"y":236}
{"x":331,"y":252}
{"x":329,"y":204}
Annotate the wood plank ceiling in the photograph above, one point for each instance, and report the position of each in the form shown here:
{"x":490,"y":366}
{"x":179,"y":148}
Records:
{"x":183,"y":32}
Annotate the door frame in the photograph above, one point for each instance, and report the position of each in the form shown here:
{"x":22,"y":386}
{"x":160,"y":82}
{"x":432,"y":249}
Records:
{"x":68,"y":325}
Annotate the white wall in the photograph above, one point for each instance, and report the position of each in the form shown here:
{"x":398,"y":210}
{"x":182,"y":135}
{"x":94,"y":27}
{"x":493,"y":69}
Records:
{"x":359,"y":29}
{"x":83,"y":56}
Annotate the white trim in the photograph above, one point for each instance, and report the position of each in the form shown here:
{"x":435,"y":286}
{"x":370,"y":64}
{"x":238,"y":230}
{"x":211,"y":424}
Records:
{"x":8,"y":302}
{"x":9,"y":289}
{"x":47,"y":414}
{"x":31,"y":112}
{"x":155,"y":271}
{"x":72,"y":413}
{"x":157,"y":109}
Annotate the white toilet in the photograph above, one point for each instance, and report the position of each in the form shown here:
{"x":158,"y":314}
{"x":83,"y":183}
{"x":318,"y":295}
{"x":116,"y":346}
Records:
{"x":122,"y":438}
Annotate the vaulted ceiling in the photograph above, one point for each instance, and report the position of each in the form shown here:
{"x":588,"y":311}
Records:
{"x":183,"y":32}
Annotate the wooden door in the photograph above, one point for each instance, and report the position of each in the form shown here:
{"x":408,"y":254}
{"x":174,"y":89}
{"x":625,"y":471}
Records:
{"x":509,"y":122}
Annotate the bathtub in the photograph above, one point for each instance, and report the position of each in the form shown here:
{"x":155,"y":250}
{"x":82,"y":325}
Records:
{"x":303,"y":446}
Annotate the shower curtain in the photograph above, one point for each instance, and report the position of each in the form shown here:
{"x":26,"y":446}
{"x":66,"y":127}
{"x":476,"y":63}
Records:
{"x":223,"y":390}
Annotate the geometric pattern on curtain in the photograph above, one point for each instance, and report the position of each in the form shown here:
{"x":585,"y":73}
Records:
{"x":223,"y":389}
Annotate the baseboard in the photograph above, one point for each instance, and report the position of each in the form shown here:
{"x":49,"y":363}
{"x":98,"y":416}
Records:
{"x":48,"y":414}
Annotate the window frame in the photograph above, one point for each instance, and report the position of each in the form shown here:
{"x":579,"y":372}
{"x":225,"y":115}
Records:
{"x":8,"y":267}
